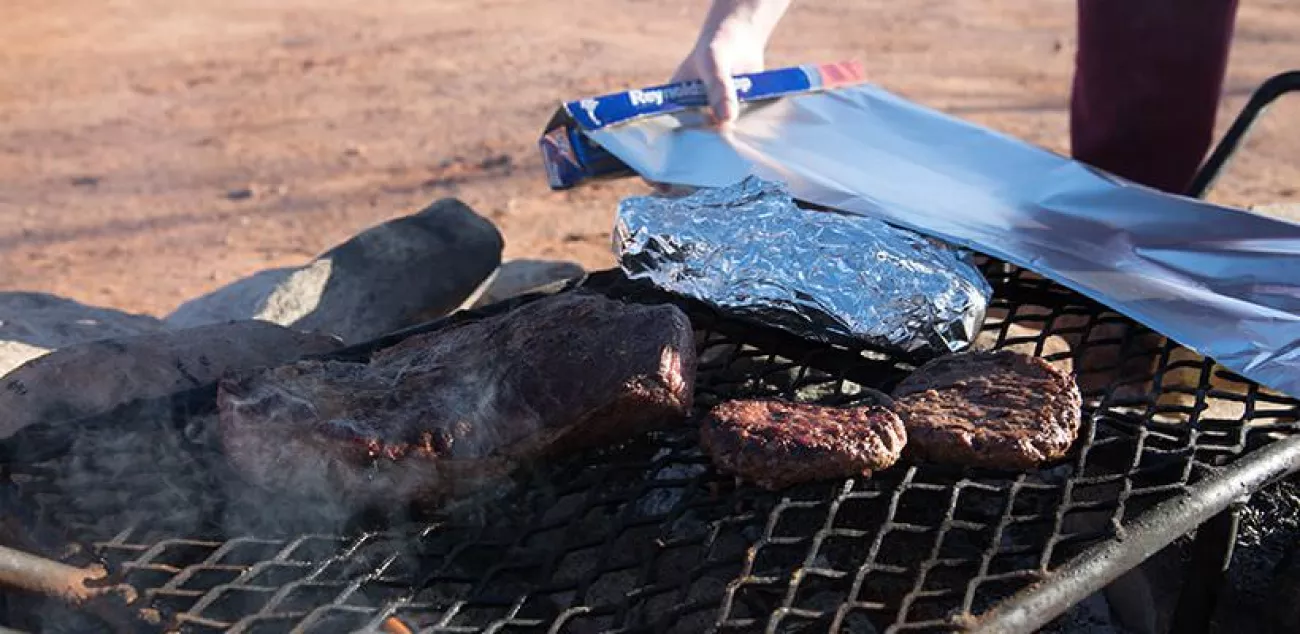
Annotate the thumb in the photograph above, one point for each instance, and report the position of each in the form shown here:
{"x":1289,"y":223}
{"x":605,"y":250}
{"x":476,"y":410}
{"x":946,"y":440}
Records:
{"x":722,"y":91}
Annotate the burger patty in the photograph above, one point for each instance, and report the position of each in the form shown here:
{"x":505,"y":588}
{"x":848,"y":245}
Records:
{"x":776,"y":444}
{"x":999,"y":410}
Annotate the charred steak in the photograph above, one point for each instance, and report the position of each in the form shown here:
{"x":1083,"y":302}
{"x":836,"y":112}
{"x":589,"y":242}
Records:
{"x":777,"y":444}
{"x":441,"y":414}
{"x":1000,"y":410}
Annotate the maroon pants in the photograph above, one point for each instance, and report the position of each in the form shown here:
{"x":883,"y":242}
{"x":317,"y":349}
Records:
{"x":1148,"y":79}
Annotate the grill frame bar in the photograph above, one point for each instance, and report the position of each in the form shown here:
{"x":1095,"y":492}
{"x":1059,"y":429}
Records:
{"x":1199,"y":508}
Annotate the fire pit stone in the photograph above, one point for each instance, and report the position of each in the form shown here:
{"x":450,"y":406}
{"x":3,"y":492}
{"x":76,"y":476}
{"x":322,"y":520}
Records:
{"x":385,"y":278}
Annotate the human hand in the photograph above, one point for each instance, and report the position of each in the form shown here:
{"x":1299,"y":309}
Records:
{"x":731,"y":42}
{"x":715,"y":60}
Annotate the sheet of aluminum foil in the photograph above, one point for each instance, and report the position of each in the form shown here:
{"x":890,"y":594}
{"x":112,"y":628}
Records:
{"x":1218,"y":280}
{"x":748,"y":250}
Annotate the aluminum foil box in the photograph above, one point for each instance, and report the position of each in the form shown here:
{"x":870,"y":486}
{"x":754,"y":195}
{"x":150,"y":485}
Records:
{"x":571,"y":157}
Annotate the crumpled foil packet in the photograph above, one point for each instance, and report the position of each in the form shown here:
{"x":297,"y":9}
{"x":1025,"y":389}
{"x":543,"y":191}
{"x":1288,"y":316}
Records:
{"x":751,"y":252}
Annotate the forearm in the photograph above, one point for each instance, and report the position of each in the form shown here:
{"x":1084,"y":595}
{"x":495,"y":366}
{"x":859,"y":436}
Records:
{"x":759,"y":16}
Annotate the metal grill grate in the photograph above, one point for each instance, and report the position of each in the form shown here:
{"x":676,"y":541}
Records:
{"x":647,"y":537}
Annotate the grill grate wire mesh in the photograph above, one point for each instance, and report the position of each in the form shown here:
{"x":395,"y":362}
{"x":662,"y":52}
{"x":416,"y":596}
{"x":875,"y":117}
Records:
{"x":647,"y":537}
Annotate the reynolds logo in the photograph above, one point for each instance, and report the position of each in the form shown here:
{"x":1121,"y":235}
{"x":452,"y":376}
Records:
{"x":692,"y":92}
{"x":646,"y":97}
{"x":590,"y":105}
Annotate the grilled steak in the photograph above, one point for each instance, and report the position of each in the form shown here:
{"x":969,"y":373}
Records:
{"x":441,"y":414}
{"x":776,"y":444}
{"x":1001,"y":410}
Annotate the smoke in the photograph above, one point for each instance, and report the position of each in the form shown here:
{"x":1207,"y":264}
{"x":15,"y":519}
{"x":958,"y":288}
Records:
{"x":329,"y":472}
{"x":131,"y":468}
{"x":123,"y":482}
{"x":322,"y":445}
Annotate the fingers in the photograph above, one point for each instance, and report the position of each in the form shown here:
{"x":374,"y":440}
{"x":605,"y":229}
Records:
{"x":721,"y":87}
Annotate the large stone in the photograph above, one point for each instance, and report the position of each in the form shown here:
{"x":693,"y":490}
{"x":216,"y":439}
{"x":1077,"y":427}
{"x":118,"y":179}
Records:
{"x":86,"y":379}
{"x":520,"y":277}
{"x":383,"y":279}
{"x":1132,"y":603}
{"x":33,"y":324}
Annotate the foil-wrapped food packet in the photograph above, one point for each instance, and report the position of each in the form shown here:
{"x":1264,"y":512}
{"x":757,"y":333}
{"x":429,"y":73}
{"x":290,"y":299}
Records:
{"x":751,"y":252}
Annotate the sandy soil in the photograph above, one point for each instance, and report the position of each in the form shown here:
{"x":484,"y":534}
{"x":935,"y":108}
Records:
{"x":151,"y":150}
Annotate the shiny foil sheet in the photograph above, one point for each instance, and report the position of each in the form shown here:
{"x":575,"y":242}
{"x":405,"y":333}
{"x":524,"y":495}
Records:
{"x":1218,"y":280}
{"x":748,"y":250}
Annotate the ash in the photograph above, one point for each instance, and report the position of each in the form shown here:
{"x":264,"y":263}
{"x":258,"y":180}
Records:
{"x":1259,"y":591}
{"x":1264,"y":578}
{"x":1090,"y":616}
{"x":1269,"y":529}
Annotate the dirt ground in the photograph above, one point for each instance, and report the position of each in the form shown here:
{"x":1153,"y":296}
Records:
{"x":151,"y":150}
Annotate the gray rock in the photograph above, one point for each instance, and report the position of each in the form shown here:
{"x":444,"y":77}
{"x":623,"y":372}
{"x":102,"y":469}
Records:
{"x":1089,"y":616}
{"x":90,"y":378}
{"x":388,"y":277}
{"x":1132,"y":604}
{"x":1283,"y":609}
{"x":857,"y":623}
{"x":519,"y":277}
{"x":16,"y":353}
{"x":33,"y":324}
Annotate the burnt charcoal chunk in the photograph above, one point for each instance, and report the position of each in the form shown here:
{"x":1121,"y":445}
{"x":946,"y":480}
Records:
{"x":776,"y":444}
{"x":445,"y":413}
{"x":998,"y":410}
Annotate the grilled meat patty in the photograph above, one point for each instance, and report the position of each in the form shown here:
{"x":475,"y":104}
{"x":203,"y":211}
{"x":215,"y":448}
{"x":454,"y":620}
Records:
{"x":1000,"y":410}
{"x":444,"y":413}
{"x":776,"y":444}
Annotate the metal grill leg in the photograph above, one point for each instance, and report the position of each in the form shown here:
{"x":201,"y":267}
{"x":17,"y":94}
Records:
{"x":1212,"y":549}
{"x":1205,"y":573}
{"x":1267,"y":93}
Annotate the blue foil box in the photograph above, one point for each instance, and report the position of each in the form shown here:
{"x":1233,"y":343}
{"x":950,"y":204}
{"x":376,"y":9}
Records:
{"x":571,"y":157}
